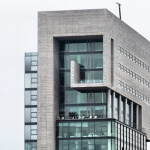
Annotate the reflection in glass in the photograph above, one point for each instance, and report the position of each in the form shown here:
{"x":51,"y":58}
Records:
{"x":30,"y":145}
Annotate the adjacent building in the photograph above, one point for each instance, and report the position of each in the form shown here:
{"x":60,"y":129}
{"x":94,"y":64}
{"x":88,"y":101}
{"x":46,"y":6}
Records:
{"x":93,"y":84}
{"x":30,"y":101}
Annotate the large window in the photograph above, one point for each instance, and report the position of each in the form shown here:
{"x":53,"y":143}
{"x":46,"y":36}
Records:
{"x":86,"y":144}
{"x":87,"y":60}
{"x":98,"y":135}
{"x":81,"y":46}
{"x":77,"y":112}
{"x":87,"y":53}
{"x":76,"y":97}
{"x":85,"y":129}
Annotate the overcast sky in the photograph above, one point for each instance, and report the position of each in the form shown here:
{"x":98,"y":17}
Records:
{"x":18,"y":34}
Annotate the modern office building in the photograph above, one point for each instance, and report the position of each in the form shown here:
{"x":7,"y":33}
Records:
{"x":93,"y":89}
{"x":30,"y":101}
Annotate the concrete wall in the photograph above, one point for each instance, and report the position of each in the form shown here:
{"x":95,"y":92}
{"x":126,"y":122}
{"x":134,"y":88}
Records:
{"x":131,"y":41}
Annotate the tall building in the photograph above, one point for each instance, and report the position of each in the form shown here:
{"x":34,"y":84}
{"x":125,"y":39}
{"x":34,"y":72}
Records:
{"x":93,"y":84}
{"x":30,"y":101}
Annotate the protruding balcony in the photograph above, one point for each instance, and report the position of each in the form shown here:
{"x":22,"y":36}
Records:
{"x":78,"y":83}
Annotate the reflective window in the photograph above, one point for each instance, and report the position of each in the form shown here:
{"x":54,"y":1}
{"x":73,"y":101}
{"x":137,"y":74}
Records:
{"x":30,"y":62}
{"x":72,"y":112}
{"x":76,"y":97}
{"x":87,"y":61}
{"x":31,"y":114}
{"x":31,"y":97}
{"x":30,"y":132}
{"x":30,"y":145}
{"x":86,"y":144}
{"x":75,"y":145}
{"x":31,"y":80}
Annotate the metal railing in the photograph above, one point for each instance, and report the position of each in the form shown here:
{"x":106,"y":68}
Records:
{"x":91,"y":81}
{"x":75,"y":116}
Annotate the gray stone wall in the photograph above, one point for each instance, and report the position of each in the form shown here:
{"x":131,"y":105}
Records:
{"x":131,"y":41}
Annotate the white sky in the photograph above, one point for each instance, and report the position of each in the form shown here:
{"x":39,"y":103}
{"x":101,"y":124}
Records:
{"x":18,"y":34}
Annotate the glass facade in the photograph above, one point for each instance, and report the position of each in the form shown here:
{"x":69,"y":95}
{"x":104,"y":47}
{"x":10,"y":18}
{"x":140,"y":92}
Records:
{"x":83,"y":122}
{"x":85,"y":129}
{"x":30,"y":101}
{"x":87,"y":53}
{"x":98,"y":135}
{"x":129,"y":138}
{"x":75,"y":104}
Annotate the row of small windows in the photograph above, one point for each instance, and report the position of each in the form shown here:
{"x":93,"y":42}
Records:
{"x":134,"y":92}
{"x":133,"y":75}
{"x":134,"y":59}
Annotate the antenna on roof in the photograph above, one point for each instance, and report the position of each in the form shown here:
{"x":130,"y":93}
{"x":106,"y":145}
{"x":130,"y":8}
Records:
{"x":119,"y":10}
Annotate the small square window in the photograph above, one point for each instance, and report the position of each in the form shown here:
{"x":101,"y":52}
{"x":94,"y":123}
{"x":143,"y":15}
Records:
{"x":142,"y":80}
{"x":142,"y":64}
{"x":120,"y":49}
{"x":125,"y":53}
{"x":33,"y":80}
{"x":134,"y":59}
{"x":125,"y":86}
{"x":125,"y":69}
{"x":33,"y":114}
{"x":33,"y":68}
{"x":33,"y":97}
{"x":34,"y":63}
{"x":33,"y":132}
{"x":131,"y":57}
{"x":128,"y":55}
{"x":133,"y":75}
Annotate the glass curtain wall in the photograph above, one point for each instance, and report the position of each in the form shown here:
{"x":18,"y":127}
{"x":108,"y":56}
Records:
{"x":98,"y":135}
{"x":30,"y":101}
{"x":88,"y":53}
{"x":86,"y":135}
{"x":129,"y":138}
{"x":75,"y":104}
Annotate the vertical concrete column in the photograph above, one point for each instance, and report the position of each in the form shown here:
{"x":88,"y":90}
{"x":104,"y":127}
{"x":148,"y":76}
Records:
{"x":131,"y":119}
{"x":119,"y":108}
{"x":137,"y":116}
{"x":140,"y":118}
{"x":75,"y":73}
{"x":114,"y":114}
{"x":108,"y":104}
{"x":125,"y":111}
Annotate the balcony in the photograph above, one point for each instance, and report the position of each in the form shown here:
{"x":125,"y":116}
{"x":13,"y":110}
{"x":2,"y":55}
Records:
{"x":77,"y":83}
